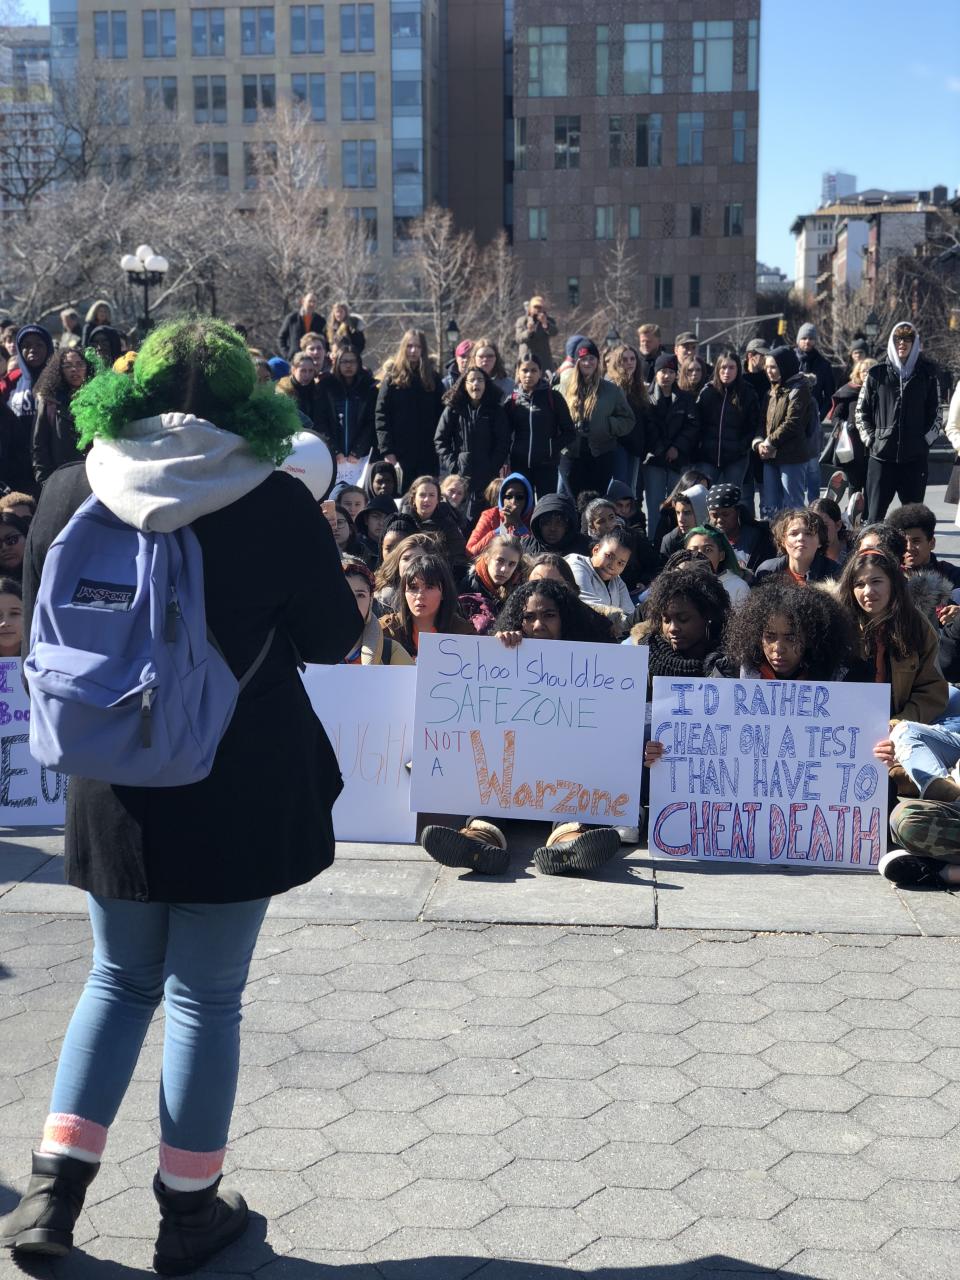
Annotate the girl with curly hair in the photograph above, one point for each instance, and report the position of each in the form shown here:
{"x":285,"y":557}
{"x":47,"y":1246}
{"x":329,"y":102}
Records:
{"x":783,"y":632}
{"x":54,"y":431}
{"x":543,"y":610}
{"x":179,"y":879}
{"x":801,"y":539}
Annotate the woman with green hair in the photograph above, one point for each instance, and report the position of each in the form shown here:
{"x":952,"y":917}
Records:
{"x":716,"y":546}
{"x":179,"y":879}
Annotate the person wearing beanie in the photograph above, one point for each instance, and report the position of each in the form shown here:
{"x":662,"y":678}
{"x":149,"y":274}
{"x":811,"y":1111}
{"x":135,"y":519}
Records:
{"x":671,"y":436}
{"x":817,"y":368}
{"x":897,"y":417}
{"x":459,"y":364}
{"x":601,"y":417}
{"x":785,"y":448}
{"x":533,"y":332}
{"x":750,"y":539}
{"x":279,"y":368}
{"x":190,"y":438}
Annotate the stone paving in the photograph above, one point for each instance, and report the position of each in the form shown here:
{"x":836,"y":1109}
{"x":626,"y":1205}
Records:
{"x":686,"y":1073}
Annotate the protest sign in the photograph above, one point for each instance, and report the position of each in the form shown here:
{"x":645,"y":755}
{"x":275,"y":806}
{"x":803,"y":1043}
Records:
{"x":368,"y":715}
{"x":30,"y":795}
{"x":772,"y":771}
{"x":353,"y":472}
{"x":549,"y":730}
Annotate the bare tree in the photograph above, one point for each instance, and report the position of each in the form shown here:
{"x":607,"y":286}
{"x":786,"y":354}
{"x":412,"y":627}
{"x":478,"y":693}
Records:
{"x":502,"y":290}
{"x":443,"y":262}
{"x":618,"y":286}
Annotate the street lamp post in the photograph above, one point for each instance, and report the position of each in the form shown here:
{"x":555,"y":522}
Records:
{"x":871,"y":327}
{"x":453,"y":335}
{"x":145,"y":268}
{"x":613,"y":338}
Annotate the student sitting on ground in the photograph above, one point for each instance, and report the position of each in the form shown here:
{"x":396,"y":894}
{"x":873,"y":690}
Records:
{"x":838,"y":535}
{"x":395,"y":563}
{"x":722,"y":557}
{"x":749,"y":538}
{"x":801,"y":537}
{"x":511,"y":514}
{"x":918,"y":525}
{"x":428,"y":604}
{"x":424,"y":502}
{"x":784,"y":632}
{"x":599,"y":580}
{"x":549,"y":567}
{"x":554,"y":527}
{"x":374,"y":648}
{"x":497,"y":570}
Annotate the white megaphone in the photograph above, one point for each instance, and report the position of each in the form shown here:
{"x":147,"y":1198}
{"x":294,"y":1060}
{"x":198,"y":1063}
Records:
{"x":310,"y":461}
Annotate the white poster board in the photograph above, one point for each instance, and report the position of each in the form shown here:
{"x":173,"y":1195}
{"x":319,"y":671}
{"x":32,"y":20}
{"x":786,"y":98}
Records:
{"x":30,"y":795}
{"x":368,"y":715}
{"x":353,"y":472}
{"x":550,"y":730}
{"x":769,"y":771}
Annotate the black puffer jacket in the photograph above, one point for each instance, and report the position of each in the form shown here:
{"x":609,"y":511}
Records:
{"x":473,"y":440}
{"x":896,"y":412}
{"x":540,"y":426}
{"x":729,"y":421}
{"x":407,"y":418}
{"x":672,"y":423}
{"x":816,"y":363}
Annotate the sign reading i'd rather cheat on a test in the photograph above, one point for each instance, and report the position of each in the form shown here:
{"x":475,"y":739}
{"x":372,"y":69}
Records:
{"x":769,"y":771}
{"x":549,"y":730}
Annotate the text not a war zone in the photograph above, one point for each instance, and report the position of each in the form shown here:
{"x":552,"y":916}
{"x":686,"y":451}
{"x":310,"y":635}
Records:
{"x":768,"y":771}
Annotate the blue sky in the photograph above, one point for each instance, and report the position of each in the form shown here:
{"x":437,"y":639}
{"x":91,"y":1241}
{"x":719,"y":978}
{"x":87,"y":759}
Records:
{"x":871,"y":87}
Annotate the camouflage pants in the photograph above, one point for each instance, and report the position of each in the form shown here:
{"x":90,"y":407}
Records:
{"x":927,"y":827}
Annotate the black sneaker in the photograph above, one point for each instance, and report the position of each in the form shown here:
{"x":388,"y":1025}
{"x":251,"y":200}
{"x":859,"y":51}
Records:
{"x":910,"y":870}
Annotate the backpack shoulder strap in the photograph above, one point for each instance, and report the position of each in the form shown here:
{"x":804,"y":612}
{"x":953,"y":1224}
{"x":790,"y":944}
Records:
{"x":254,"y":666}
{"x":386,"y":655}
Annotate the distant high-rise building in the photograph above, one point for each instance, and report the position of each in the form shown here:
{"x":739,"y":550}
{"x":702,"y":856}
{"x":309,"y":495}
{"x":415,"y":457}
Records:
{"x":26,"y":118}
{"x":631,"y":121}
{"x":836,"y":185}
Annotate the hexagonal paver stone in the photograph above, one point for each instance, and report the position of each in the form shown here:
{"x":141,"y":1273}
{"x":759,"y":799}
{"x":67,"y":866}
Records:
{"x":545,"y":1183}
{"x":556,"y":1062}
{"x":391,"y":1091}
{"x":443,"y":1204}
{"x":871,"y":986}
{"x":421,"y":993}
{"x":897,"y":1079}
{"x":468,"y":1113}
{"x":456,"y":1155}
{"x":417,"y":1024}
{"x":720,"y":1148}
{"x":643,"y":1122}
{"x":920,"y":1251}
{"x":310,"y":1108}
{"x":800,"y":995}
{"x":940,"y":1032}
{"x":539,"y":1138}
{"x":326,"y":1070}
{"x":429,"y":1253}
{"x":274,"y":1193}
{"x":918,"y":1204}
{"x":645,"y":1084}
{"x":501,"y":1011}
{"x":715,"y":1193}
{"x":639,"y":1164}
{"x":348,"y":1175}
{"x":739,"y":1108}
{"x":582,"y":973}
{"x":491,"y":1042}
{"x":650,"y":989}
{"x":405,"y":1055}
{"x":496,"y":982}
{"x":633,"y":1211}
{"x":648,"y":1048}
{"x":823,"y":1133}
{"x":815,"y":1093}
{"x":661,"y":1018}
{"x":292,"y":1149}
{"x":584,"y":1000}
{"x":727,"y":1070}
{"x":342,"y":1224}
{"x":552,"y":1235}
{"x":819,"y":1224}
{"x":130,"y":1214}
{"x":723,"y":1037}
{"x":799,"y":1057}
{"x":880,"y":1045}
{"x":375,"y":1131}
{"x":353,"y":1006}
{"x":751,"y":1241}
{"x":480,"y":1075}
{"x":846,"y":1177}
{"x":937,"y":1158}
{"x":878,"y":1013}
{"x":573,"y":1029}
{"x":911,"y":1117}
{"x":793,"y":1024}
{"x":576,"y":1098}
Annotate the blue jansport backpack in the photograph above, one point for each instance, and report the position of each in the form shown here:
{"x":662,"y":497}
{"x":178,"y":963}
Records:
{"x":127,"y":685}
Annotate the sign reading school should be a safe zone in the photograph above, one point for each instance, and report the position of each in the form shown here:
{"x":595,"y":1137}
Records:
{"x":549,"y":730}
{"x":769,"y":771}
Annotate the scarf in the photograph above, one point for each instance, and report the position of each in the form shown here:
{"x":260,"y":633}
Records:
{"x":483,"y":574}
{"x":665,"y":662}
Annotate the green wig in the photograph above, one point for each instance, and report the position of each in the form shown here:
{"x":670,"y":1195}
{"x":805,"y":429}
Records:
{"x":193,"y":365}
{"x":730,"y":562}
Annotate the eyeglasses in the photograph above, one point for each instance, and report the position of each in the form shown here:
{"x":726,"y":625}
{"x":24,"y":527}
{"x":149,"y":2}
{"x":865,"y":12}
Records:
{"x":11,"y":540}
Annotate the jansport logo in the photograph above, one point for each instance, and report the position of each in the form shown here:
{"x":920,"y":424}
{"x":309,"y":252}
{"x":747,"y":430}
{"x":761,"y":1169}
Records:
{"x":103,"y":595}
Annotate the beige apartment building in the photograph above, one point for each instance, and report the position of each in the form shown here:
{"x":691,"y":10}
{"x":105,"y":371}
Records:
{"x":365,"y":73}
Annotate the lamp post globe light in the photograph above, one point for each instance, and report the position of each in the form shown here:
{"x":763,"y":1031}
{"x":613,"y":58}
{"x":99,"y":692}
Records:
{"x":145,"y":269}
{"x":453,"y":335}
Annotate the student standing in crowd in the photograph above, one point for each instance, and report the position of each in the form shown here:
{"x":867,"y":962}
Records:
{"x":671,"y":437}
{"x":533,"y":332}
{"x":601,"y":417}
{"x":54,"y":431}
{"x":728,"y":416}
{"x":472,"y":436}
{"x":539,"y":426}
{"x":308,"y":318}
{"x":408,"y":409}
{"x":785,"y":448}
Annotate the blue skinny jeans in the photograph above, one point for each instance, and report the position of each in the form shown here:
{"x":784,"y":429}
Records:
{"x":195,"y":957}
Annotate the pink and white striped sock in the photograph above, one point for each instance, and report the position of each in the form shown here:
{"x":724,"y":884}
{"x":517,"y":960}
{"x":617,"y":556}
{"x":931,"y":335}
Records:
{"x":189,"y":1170}
{"x":66,"y":1135}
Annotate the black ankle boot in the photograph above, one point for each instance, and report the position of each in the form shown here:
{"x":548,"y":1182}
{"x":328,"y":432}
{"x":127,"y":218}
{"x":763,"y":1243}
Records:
{"x":44,"y":1219}
{"x":194,"y":1225}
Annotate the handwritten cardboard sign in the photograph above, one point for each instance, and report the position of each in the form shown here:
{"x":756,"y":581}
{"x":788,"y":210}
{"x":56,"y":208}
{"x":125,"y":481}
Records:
{"x":774,"y":771}
{"x":550,"y":730}
{"x":30,"y":795}
{"x":368,"y":715}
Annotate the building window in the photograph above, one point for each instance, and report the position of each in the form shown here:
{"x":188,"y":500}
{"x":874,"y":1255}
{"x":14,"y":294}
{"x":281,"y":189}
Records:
{"x":712,"y":57}
{"x":259,"y":94}
{"x":537,"y":224}
{"x":162,"y":162}
{"x":306,"y":28}
{"x":358,"y":164}
{"x":662,"y":293}
{"x":257,"y":32}
{"x":356,"y":28}
{"x":520,"y":142}
{"x":213,"y":158}
{"x":633,"y":222}
{"x":603,"y":222}
{"x":358,"y":95}
{"x":159,"y":33}
{"x":110,"y":33}
{"x":733,"y":219}
{"x":616,"y":142}
{"x":643,"y":57}
{"x":753,"y":51}
{"x":207,"y":33}
{"x":690,"y":137}
{"x":573,"y":291}
{"x":259,"y":160}
{"x":406,"y":93}
{"x":694,"y":296}
{"x":406,"y":30}
{"x":547,"y":53}
{"x":310,"y":91}
{"x":209,"y":99}
{"x":649,"y":142}
{"x":366,"y":218}
{"x":739,"y":137}
{"x":603,"y":61}
{"x":566,"y":142}
{"x":696,"y":220}
{"x":160,"y":94}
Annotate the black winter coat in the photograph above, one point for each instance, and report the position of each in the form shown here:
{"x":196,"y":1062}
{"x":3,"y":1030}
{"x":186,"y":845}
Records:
{"x":260,"y":823}
{"x":472,"y":442}
{"x":314,"y":402}
{"x":407,"y":420}
{"x":672,"y":423}
{"x":540,"y":427}
{"x":815,"y":362}
{"x":727,"y":429}
{"x":893,"y":418}
{"x":54,"y":439}
{"x":353,"y":414}
{"x":292,"y":330}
